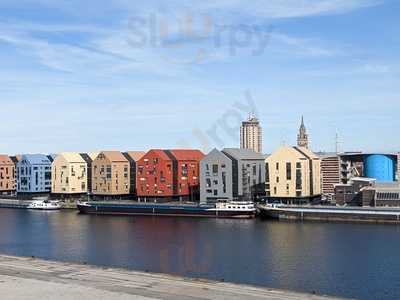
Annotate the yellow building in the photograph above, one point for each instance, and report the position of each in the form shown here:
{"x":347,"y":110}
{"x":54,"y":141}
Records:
{"x":69,"y":174}
{"x":110,"y":174}
{"x":293,"y":175}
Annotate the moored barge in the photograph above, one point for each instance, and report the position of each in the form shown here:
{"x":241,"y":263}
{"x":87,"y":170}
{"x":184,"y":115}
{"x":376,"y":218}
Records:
{"x":218,"y":210}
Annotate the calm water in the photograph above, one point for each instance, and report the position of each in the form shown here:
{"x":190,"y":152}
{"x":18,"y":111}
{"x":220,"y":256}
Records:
{"x":351,"y":260}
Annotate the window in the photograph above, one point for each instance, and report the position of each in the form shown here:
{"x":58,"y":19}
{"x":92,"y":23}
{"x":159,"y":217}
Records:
{"x":215,"y":192}
{"x":288,"y":171}
{"x":208,"y":182}
{"x":215,"y":170}
{"x":277,"y":179}
{"x":277,"y":166}
{"x":298,"y":165}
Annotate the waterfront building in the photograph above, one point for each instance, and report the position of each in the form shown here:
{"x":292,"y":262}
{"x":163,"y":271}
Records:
{"x":34,"y":174}
{"x":110,"y":174}
{"x":69,"y":174}
{"x":216,"y":177}
{"x":7,"y":175}
{"x":293,"y":175}
{"x":88,"y":158}
{"x":398,"y":167}
{"x":168,"y":174}
{"x":302,"y":137}
{"x":251,"y":134}
{"x":133,"y":157}
{"x":330,"y":174}
{"x":232,"y":174}
{"x":381,"y":194}
{"x":248,"y":174}
{"x":350,"y":193}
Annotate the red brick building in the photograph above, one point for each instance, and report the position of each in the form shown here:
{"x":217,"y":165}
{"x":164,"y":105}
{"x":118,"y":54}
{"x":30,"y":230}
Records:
{"x":168,"y":174}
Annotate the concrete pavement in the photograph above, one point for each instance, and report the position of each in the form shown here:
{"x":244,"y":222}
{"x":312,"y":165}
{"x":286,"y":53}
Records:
{"x":30,"y":278}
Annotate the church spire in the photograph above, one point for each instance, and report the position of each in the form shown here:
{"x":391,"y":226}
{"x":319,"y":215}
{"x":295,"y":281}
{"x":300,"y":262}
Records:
{"x":302,"y":137}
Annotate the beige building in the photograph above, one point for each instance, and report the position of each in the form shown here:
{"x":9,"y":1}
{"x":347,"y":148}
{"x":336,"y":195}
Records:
{"x":251,"y":134}
{"x":110,"y":174}
{"x":69,"y":174}
{"x":7,"y":175}
{"x":293,"y":175}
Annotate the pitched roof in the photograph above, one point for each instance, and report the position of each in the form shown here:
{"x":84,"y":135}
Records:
{"x":5,"y":160}
{"x":114,"y":156}
{"x":160,"y":153}
{"x":243,"y":154}
{"x":136,"y":155}
{"x":182,"y":154}
{"x":72,"y":157}
{"x":36,"y":159}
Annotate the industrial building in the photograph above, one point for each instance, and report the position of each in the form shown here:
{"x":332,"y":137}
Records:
{"x":368,"y":192}
{"x":7,"y":175}
{"x":33,"y":174}
{"x":384,"y":167}
{"x":168,"y":174}
{"x":69,"y":174}
{"x":293,"y":176}
{"x":110,"y":175}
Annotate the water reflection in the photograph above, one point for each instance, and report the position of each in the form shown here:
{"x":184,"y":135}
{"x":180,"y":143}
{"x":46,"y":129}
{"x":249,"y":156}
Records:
{"x":350,"y":260}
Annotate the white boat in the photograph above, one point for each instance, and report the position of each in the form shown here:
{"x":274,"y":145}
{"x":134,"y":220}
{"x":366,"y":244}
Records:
{"x":44,"y":205}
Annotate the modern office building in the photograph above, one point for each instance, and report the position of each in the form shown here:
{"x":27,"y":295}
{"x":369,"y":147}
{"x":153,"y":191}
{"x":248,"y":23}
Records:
{"x":293,"y":175}
{"x":133,"y":157}
{"x":216,"y":178}
{"x":302,"y":137}
{"x":7,"y":175}
{"x":168,"y":174}
{"x":69,"y":174}
{"x":34,"y":174}
{"x":232,"y":174}
{"x":251,"y":134}
{"x":110,"y":174}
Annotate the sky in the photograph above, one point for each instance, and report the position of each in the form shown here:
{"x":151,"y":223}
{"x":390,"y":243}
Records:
{"x":133,"y":75}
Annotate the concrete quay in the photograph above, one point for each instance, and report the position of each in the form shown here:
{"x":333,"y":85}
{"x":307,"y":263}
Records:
{"x":31,"y":278}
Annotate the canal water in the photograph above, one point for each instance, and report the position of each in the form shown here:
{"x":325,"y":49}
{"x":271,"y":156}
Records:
{"x":360,"y":261}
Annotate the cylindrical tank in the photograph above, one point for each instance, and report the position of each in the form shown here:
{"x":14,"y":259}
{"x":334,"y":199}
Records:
{"x":380,"y":166}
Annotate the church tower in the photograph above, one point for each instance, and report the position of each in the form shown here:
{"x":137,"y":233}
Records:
{"x":302,"y":137}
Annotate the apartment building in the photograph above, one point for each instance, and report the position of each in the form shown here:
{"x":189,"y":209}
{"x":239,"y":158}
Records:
{"x":216,"y":178}
{"x":169,"y":174}
{"x":7,"y":175}
{"x":89,"y":158}
{"x":69,"y":174}
{"x":293,"y":175}
{"x":133,"y":157}
{"x":110,"y":174}
{"x":34,"y":174}
{"x":330,"y":174}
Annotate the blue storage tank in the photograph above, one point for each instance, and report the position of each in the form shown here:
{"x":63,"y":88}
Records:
{"x":381,"y":167}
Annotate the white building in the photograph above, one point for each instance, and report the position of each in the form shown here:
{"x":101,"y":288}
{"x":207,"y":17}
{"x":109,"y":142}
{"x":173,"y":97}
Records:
{"x":251,"y":134}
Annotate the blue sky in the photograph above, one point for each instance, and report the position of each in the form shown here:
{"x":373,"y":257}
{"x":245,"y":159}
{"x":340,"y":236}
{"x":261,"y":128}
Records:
{"x":119,"y":74}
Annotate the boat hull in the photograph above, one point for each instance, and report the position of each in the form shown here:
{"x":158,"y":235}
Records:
{"x":162,"y":210}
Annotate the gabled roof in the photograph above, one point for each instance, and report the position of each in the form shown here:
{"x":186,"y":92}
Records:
{"x":36,"y":159}
{"x":71,"y":157}
{"x":160,"y":153}
{"x":5,"y":160}
{"x":216,"y":153}
{"x":245,"y":154}
{"x":135,"y":155}
{"x":114,"y":156}
{"x":182,"y":154}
